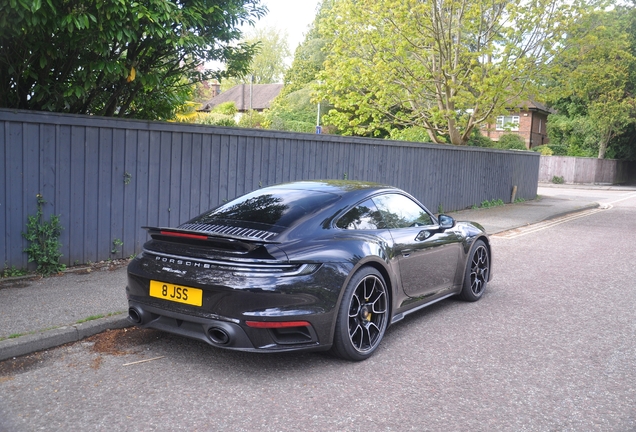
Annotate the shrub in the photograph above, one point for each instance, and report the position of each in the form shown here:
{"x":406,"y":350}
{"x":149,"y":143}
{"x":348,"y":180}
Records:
{"x":226,"y":108}
{"x":44,"y":236}
{"x":544,"y":150}
{"x":299,"y":126}
{"x":478,"y":140}
{"x":511,"y":142}
{"x":216,"y":119}
{"x":412,"y":134}
{"x":551,"y":150}
{"x":578,"y":151}
{"x":492,"y":203}
{"x":558,"y":180}
{"x":252,"y":119}
{"x":228,"y":122}
{"x":558,"y":150}
{"x":12,"y":271}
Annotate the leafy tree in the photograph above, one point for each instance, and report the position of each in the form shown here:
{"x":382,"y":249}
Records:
{"x":293,"y":112}
{"x":268,"y":64}
{"x":444,"y":65}
{"x":293,"y":109}
{"x":205,"y":90}
{"x":309,"y":57}
{"x":571,"y":129}
{"x":593,"y":87}
{"x":624,"y":145}
{"x":117,"y":58}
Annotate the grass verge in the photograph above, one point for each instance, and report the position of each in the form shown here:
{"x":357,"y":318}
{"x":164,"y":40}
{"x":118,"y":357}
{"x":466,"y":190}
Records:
{"x":81,"y":321}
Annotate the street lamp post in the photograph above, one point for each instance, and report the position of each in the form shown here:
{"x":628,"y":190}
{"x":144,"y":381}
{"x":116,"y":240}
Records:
{"x":318,"y":127}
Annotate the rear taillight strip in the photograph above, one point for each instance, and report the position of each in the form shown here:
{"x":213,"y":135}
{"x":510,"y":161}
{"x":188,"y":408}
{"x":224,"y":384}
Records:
{"x":276,"y":324}
{"x":186,"y":235}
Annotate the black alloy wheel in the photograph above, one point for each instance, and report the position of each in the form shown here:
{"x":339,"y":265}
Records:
{"x":363,"y":316}
{"x":477,"y":272}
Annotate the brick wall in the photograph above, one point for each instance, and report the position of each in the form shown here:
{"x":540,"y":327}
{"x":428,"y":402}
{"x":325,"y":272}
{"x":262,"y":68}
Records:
{"x":532,"y":128}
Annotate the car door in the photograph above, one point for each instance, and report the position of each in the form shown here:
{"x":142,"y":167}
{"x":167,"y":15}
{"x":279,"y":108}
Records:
{"x":427,"y":255}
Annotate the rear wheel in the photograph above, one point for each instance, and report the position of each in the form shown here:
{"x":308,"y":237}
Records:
{"x":363,"y":316}
{"x":477,"y":272}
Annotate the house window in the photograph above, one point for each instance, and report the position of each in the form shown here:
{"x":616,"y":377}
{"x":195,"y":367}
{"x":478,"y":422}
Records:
{"x":508,"y":123}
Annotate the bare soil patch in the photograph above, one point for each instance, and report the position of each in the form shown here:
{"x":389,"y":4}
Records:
{"x":121,"y":341}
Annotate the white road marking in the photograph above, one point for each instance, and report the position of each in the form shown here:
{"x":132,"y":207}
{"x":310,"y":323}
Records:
{"x":620,"y":199}
{"x":539,"y":226}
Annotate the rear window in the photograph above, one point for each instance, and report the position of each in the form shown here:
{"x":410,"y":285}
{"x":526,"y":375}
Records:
{"x":275,"y":208}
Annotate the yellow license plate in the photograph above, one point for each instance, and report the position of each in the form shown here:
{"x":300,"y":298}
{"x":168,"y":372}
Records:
{"x":176,"y":293}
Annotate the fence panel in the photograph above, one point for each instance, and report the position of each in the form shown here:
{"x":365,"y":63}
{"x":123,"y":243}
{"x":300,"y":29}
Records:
{"x":108,"y":177}
{"x":586,"y":170}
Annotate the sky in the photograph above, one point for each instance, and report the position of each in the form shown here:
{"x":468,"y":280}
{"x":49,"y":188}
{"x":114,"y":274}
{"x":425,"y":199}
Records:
{"x":290,"y":16}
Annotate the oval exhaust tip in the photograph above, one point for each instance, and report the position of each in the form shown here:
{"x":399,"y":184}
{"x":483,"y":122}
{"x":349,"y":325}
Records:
{"x":134,"y":315}
{"x":218,"y":336}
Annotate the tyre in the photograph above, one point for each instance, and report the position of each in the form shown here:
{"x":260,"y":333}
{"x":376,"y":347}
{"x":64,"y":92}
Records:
{"x":477,"y":272}
{"x":362,"y":317}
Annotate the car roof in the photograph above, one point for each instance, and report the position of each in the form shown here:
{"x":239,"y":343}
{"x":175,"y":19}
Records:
{"x":337,"y":187}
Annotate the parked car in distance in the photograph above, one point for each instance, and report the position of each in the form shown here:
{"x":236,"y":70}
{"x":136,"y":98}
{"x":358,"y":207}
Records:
{"x":311,"y":265}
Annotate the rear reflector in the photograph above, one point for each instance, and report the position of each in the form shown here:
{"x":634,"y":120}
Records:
{"x":178,"y":234}
{"x":279,"y":324}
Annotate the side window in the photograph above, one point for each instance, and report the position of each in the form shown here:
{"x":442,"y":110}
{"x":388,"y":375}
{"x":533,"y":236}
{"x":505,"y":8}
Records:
{"x":364,"y":216}
{"x":399,"y":211}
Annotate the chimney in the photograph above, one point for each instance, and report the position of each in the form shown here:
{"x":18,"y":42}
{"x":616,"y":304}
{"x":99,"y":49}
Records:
{"x":215,"y":88}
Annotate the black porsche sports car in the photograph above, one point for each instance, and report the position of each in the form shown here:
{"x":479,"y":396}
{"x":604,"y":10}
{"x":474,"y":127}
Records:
{"x":305,"y":266}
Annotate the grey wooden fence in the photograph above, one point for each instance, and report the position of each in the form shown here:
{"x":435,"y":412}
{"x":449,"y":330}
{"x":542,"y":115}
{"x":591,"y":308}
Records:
{"x":586,"y":170}
{"x":108,"y":177}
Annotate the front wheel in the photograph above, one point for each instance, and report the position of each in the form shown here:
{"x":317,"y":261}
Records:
{"x":363,"y":316}
{"x":477,"y":272}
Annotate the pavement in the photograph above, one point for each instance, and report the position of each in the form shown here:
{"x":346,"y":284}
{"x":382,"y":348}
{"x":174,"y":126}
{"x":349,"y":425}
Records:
{"x":41,"y":313}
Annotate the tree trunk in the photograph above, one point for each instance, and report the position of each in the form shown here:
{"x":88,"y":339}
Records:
{"x":602,"y":146}
{"x":601,"y":149}
{"x":454,"y":133}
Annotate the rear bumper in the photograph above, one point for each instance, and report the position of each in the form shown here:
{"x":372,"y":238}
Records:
{"x":224,"y":332}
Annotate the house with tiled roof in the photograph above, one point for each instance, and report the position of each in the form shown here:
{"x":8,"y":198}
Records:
{"x":528,"y":120}
{"x":246,"y":97}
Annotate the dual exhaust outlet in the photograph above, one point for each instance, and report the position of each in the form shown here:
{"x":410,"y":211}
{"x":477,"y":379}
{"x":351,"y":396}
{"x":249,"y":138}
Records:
{"x":219,"y":335}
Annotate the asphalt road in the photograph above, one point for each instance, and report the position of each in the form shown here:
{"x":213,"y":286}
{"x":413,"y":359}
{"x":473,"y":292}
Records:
{"x":551,"y":346}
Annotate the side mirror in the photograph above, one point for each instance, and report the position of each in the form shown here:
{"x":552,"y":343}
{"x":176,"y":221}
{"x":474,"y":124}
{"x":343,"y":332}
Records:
{"x":446,"y":222}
